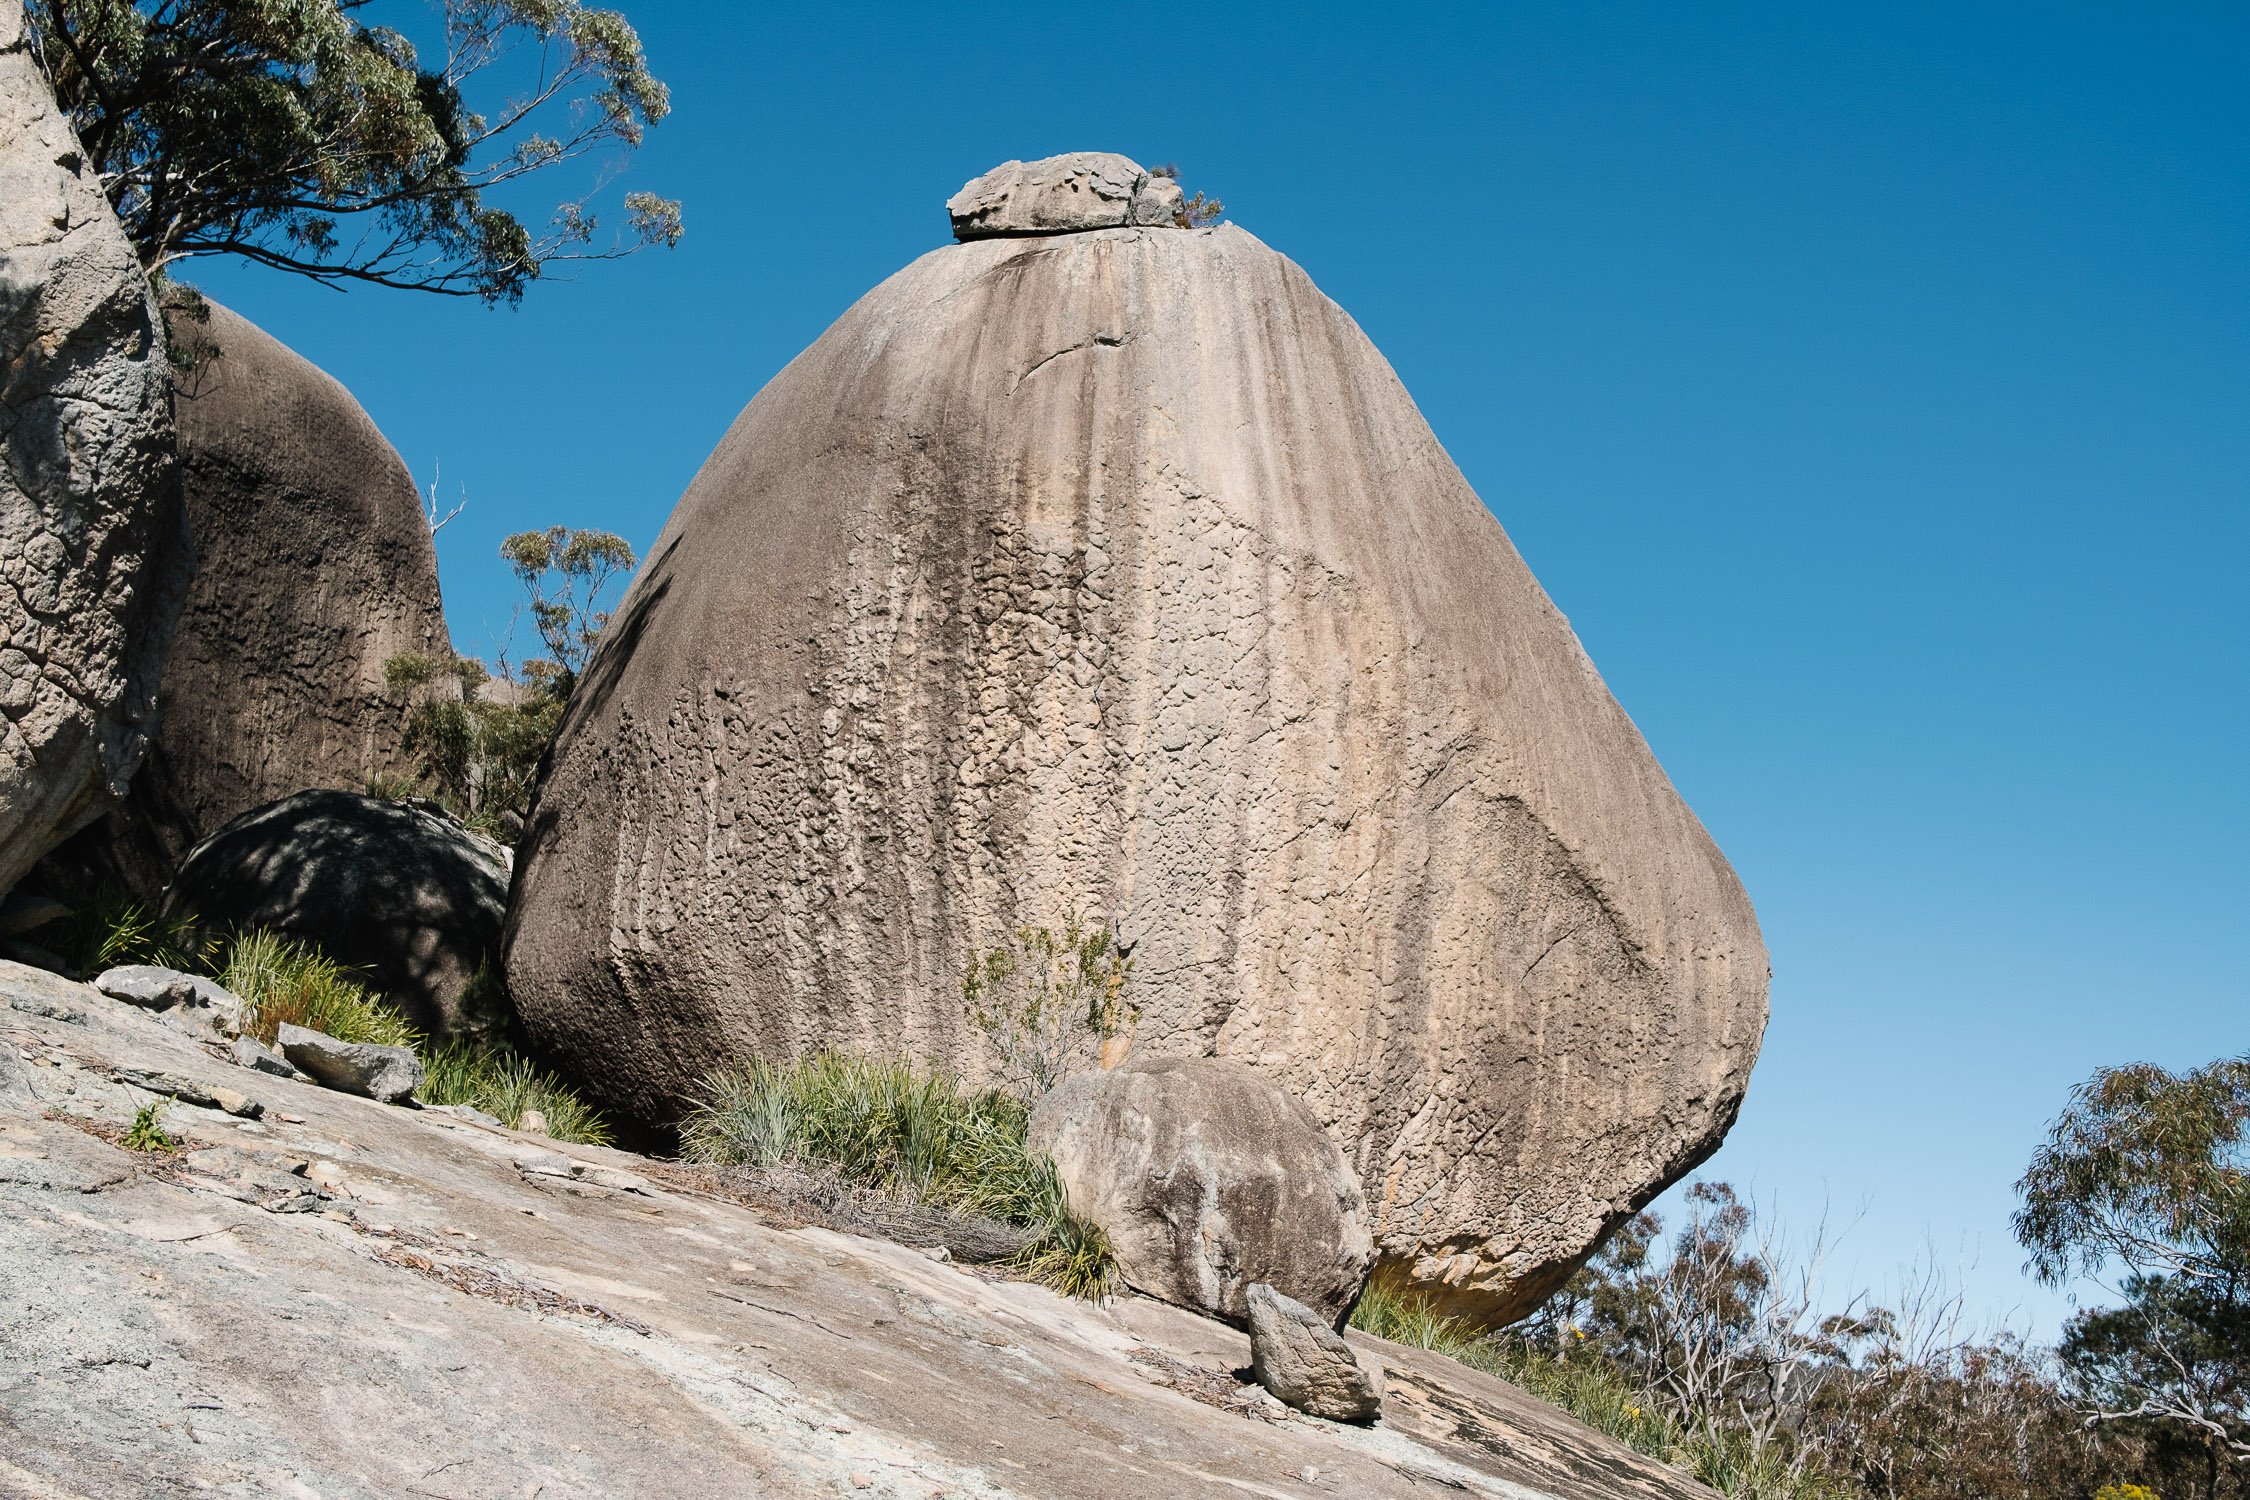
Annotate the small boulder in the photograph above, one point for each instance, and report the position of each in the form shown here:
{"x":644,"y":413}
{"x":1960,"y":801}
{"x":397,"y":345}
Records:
{"x":1207,"y":1178}
{"x":1063,"y":195}
{"x":385,"y":1074}
{"x":1306,"y":1363}
{"x":403,"y":893}
{"x":198,"y":1006}
{"x":255,"y":1055}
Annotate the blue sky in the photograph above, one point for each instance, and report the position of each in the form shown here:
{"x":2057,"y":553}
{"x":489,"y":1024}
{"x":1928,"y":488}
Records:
{"x":1870,"y":386}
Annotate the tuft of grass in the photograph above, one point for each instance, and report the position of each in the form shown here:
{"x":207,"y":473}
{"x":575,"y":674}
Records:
{"x":919,"y":1135}
{"x":504,"y":1084}
{"x":114,"y":928}
{"x":284,"y":980}
{"x":147,"y":1134}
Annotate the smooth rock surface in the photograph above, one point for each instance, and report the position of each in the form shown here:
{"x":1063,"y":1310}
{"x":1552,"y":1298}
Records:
{"x":1305,"y":1363}
{"x":1208,"y":1178}
{"x":405,"y":895}
{"x":1063,"y":195}
{"x":384,"y":1074}
{"x":1116,"y":571}
{"x":91,"y":540}
{"x":313,"y":567}
{"x":349,"y":1301}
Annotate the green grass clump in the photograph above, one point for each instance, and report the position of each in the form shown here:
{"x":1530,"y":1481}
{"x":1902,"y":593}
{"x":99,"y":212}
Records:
{"x":113,"y":928}
{"x":504,"y":1084}
{"x":919,"y":1135}
{"x":147,"y":1134}
{"x":285,"y":981}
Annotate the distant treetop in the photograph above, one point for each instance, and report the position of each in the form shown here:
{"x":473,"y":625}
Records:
{"x":293,"y":134}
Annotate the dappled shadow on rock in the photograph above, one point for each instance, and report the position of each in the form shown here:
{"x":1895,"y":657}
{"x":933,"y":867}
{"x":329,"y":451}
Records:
{"x":403,"y":893}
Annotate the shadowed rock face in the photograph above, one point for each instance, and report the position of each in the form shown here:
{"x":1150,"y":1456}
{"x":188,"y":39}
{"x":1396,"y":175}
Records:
{"x":313,"y":566}
{"x":1117,"y":570}
{"x":90,"y":568}
{"x":408,"y":896}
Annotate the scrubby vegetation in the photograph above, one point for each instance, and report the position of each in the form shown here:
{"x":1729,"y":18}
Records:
{"x":147,"y":1134}
{"x":505,"y":1084}
{"x":918,"y":1134}
{"x":1049,"y":1003}
{"x":476,"y":733}
{"x":287,"y":981}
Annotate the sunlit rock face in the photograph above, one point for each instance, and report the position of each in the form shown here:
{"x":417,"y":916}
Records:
{"x":1115,"y":570}
{"x":90,"y":570}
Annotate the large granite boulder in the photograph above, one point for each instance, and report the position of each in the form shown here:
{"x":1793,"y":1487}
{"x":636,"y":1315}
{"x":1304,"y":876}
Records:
{"x":1209,"y":1179}
{"x":1116,"y":571}
{"x":90,"y":567}
{"x":313,"y":567}
{"x":403,"y":893}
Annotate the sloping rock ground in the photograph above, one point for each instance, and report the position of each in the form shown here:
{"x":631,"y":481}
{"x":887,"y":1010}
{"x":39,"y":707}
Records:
{"x":347,"y":1299}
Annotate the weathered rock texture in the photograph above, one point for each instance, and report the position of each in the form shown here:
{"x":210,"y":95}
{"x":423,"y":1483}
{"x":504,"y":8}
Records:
{"x":1117,"y":569}
{"x":1061,"y":195}
{"x":313,"y":567}
{"x":1306,"y":1363}
{"x":406,"y":895}
{"x":345,"y":1300}
{"x":89,"y":505}
{"x":1208,"y":1179}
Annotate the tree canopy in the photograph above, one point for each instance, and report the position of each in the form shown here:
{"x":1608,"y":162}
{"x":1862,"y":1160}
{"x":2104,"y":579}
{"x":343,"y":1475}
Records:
{"x":296,"y":135}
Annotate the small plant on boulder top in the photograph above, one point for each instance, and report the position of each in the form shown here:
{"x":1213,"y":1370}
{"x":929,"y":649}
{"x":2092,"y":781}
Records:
{"x":1197,"y":212}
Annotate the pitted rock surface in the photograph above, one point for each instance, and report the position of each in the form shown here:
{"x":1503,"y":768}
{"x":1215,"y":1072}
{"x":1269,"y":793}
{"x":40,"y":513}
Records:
{"x":1117,"y":571}
{"x":91,"y":548}
{"x":1063,"y":195}
{"x":313,"y":567}
{"x":1209,"y":1179}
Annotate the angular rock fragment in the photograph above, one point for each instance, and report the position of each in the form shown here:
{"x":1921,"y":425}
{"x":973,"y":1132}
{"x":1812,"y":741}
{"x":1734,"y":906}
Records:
{"x":386,"y":1074}
{"x":251,"y":1053}
{"x":1306,"y":1363}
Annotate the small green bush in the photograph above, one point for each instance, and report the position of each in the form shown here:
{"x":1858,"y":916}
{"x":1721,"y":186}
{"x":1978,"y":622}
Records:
{"x":147,"y":1134}
{"x":1049,"y":1003}
{"x":286,"y":981}
{"x":504,"y":1084}
{"x":919,"y":1135}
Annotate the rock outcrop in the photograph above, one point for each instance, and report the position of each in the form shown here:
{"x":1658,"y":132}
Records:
{"x":313,"y":567}
{"x":1115,"y":570}
{"x":353,"y":1301}
{"x":1208,"y":1179}
{"x":406,"y":895}
{"x":1063,"y":195}
{"x":90,"y":568}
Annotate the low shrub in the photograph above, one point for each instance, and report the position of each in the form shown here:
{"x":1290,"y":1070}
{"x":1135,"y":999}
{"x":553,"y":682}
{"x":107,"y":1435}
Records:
{"x":286,"y":981}
{"x":1594,"y":1391}
{"x":918,"y":1135}
{"x":504,"y":1083}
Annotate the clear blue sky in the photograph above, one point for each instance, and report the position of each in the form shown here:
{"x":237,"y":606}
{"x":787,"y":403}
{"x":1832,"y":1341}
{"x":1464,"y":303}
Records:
{"x":1870,"y":385}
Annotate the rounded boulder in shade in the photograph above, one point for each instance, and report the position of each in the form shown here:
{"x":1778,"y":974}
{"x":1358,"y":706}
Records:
{"x":1207,"y":1178}
{"x":1115,"y":571}
{"x":404,"y":894}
